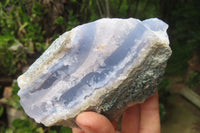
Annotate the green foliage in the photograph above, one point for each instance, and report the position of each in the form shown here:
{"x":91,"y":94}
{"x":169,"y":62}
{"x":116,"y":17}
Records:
{"x":20,"y":34}
{"x":65,"y":130}
{"x":72,"y":21}
{"x":37,"y":9}
{"x":162,"y":111}
{"x":14,"y":100}
{"x":60,"y":20}
{"x":185,"y":32}
{"x":4,"y":130}
{"x":10,"y":56}
{"x":164,"y":88}
{"x":163,"y":94}
{"x":1,"y":110}
{"x":26,"y":126}
{"x":122,"y":8}
{"x":194,"y":79}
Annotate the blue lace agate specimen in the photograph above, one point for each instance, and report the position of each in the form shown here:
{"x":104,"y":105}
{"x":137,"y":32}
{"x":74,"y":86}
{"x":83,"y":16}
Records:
{"x":102,"y":66}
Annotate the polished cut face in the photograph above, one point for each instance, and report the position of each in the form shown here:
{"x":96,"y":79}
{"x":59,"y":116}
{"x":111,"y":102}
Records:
{"x":84,"y":67}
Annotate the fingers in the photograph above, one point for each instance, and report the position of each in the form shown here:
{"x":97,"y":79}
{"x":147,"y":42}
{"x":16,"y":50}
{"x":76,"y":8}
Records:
{"x":150,"y":118}
{"x":91,"y":122}
{"x":131,"y":120}
{"x":142,"y":118}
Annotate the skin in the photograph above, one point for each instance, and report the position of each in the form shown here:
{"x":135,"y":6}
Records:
{"x":140,"y":118}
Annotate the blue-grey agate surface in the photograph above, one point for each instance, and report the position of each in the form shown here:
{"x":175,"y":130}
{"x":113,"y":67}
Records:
{"x":102,"y":53}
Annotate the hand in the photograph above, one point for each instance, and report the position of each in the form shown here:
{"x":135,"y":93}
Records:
{"x":140,"y":118}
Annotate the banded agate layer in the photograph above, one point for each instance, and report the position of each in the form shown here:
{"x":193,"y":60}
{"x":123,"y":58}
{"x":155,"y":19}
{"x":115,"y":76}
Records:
{"x":101,"y":66}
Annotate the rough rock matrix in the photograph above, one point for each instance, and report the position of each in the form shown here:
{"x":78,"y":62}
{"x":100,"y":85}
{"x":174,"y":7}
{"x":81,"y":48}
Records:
{"x":102,"y":66}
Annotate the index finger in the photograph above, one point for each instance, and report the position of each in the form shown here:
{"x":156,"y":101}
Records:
{"x":150,"y":118}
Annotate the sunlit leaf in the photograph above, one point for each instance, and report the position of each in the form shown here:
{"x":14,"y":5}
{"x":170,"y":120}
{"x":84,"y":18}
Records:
{"x":65,"y":130}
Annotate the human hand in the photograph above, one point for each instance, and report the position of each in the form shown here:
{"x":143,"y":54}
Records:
{"x":140,"y":118}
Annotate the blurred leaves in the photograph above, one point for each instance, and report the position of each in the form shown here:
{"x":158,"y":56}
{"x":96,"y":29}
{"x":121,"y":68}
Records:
{"x":185,"y":32}
{"x":162,"y":111}
{"x":14,"y":99}
{"x":26,"y":126}
{"x":10,"y":56}
{"x":65,"y":130}
{"x":194,"y":79}
{"x":17,"y":27}
{"x":164,"y":92}
{"x":59,"y":20}
{"x":1,"y":110}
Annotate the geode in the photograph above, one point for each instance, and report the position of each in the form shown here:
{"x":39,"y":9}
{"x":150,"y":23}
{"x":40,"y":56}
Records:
{"x":102,"y":66}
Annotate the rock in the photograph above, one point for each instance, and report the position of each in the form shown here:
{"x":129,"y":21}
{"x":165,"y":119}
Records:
{"x":102,"y":66}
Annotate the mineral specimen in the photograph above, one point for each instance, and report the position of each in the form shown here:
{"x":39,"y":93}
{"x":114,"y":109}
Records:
{"x":102,"y":66}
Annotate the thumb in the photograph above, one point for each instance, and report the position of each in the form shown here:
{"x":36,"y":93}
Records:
{"x":91,"y":122}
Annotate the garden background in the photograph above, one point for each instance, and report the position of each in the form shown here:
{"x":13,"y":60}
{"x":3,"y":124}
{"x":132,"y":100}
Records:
{"x":28,"y":27}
